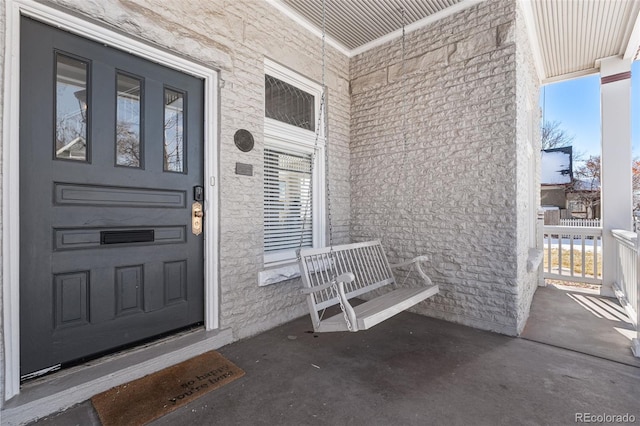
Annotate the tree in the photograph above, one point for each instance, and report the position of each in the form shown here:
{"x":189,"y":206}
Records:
{"x":128,"y":145}
{"x":554,"y":136}
{"x":636,"y":184}
{"x":586,"y":184}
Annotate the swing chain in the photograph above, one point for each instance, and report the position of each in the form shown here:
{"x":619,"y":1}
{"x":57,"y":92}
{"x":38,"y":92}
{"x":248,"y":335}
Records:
{"x":313,"y":161}
{"x":322,"y":124}
{"x":324,"y":114}
{"x":404,"y":82}
{"x":323,"y":120}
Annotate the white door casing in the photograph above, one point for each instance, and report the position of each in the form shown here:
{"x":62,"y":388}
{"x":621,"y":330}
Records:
{"x":11,"y":150}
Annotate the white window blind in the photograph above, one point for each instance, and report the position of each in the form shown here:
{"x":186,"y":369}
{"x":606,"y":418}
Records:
{"x":287,"y":200}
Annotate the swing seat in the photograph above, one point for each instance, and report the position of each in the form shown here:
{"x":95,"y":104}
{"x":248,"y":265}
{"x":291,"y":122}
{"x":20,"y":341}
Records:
{"x":358,"y":269}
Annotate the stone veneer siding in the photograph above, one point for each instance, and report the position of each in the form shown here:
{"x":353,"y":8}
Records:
{"x":453,"y":190}
{"x":528,"y":146}
{"x":452,"y":194}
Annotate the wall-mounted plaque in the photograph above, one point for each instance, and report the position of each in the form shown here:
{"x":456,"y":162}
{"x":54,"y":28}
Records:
{"x":243,"y":140}
{"x":244,"y":169}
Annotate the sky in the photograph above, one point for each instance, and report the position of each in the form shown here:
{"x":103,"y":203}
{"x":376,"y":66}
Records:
{"x":576,"y":105}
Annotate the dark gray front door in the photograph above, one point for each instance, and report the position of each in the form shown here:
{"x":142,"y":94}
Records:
{"x":110,"y":153}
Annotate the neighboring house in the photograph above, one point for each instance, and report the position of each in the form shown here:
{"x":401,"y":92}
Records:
{"x":583,"y":199}
{"x":574,"y":198}
{"x":556,"y":178}
{"x":216,"y":104}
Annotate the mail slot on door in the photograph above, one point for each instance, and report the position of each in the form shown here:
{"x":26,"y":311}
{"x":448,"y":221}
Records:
{"x":124,"y":237}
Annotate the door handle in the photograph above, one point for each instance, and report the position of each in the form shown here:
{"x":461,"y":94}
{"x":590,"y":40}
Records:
{"x":197,"y":214}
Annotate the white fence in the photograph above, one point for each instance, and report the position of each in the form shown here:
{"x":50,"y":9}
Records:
{"x":580,"y":222}
{"x":626,"y":284}
{"x":573,"y":253}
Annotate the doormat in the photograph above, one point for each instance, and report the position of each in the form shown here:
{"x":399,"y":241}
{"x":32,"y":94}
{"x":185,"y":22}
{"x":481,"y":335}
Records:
{"x":150,"y":397}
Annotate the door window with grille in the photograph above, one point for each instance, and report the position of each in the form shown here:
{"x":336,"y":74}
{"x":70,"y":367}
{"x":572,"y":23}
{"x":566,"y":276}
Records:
{"x":293,"y":202}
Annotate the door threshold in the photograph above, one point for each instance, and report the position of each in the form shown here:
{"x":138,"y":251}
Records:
{"x":59,"y":391}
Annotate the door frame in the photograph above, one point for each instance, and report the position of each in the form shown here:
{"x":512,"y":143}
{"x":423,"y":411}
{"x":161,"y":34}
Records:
{"x":15,"y":9}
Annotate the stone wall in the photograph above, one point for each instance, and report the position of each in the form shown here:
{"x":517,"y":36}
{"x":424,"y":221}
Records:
{"x":528,"y":148}
{"x":451,"y":191}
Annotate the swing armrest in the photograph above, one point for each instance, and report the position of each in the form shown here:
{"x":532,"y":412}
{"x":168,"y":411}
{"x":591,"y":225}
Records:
{"x":347,"y":277}
{"x":409,"y":262}
{"x":417,"y":262}
{"x":339,"y":281}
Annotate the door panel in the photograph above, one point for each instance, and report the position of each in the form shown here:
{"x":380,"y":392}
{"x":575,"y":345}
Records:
{"x":107,"y":256}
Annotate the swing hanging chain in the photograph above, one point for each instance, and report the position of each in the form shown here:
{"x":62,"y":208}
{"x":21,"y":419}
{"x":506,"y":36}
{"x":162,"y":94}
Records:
{"x":404,"y":104}
{"x":325,"y":116}
{"x":317,"y":139}
{"x":404,"y":82}
{"x":398,"y":195}
{"x":322,"y":124}
{"x":323,"y":121}
{"x":313,"y":161}
{"x":323,"y":112}
{"x":412,"y":195}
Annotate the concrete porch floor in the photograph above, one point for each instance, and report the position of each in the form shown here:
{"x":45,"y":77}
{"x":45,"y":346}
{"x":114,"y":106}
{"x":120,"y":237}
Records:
{"x":581,"y":320}
{"x":409,"y":370}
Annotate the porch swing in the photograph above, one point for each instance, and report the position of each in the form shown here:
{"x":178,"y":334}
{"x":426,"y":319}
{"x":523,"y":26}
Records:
{"x":336,"y":274}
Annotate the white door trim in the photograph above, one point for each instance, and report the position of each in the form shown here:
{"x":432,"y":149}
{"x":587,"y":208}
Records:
{"x":10,"y":164}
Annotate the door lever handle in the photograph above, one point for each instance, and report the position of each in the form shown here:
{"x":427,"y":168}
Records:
{"x":196,"y":218}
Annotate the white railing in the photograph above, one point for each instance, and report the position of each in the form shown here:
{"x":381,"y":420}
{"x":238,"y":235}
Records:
{"x":626,"y":283}
{"x":573,"y":253}
{"x":580,"y":222}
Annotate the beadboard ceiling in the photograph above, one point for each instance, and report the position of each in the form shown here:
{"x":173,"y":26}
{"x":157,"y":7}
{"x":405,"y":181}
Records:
{"x":572,"y":35}
{"x":569,"y":35}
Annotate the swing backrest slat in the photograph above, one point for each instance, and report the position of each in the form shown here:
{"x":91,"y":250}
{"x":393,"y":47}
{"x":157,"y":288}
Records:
{"x":366,"y":261}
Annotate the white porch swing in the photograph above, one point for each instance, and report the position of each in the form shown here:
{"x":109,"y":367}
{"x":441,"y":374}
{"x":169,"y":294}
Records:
{"x":335,"y":274}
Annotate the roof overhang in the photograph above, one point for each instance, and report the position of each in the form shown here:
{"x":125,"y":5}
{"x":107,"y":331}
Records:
{"x":570,"y":37}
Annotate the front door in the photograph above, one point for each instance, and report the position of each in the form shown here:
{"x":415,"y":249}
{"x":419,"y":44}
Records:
{"x":110,"y":162}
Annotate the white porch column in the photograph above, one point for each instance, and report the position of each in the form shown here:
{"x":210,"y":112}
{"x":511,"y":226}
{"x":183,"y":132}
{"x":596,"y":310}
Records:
{"x":616,"y":198}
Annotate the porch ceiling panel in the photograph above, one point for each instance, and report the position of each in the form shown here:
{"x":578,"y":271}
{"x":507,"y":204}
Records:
{"x":356,"y":23}
{"x":572,"y":35}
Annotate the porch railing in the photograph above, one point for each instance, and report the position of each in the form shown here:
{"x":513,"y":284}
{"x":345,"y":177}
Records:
{"x":580,"y":222}
{"x":573,"y":253}
{"x":626,"y":279}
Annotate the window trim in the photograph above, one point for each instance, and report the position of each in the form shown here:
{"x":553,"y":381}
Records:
{"x":283,"y":136}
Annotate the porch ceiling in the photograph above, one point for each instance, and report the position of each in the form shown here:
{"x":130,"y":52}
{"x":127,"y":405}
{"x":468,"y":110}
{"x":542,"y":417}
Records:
{"x":569,"y":36}
{"x":355,"y":26}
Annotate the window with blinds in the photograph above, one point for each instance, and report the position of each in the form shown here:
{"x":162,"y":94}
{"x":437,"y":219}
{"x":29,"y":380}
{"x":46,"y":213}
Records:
{"x":287,"y":200}
{"x":294,"y":199}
